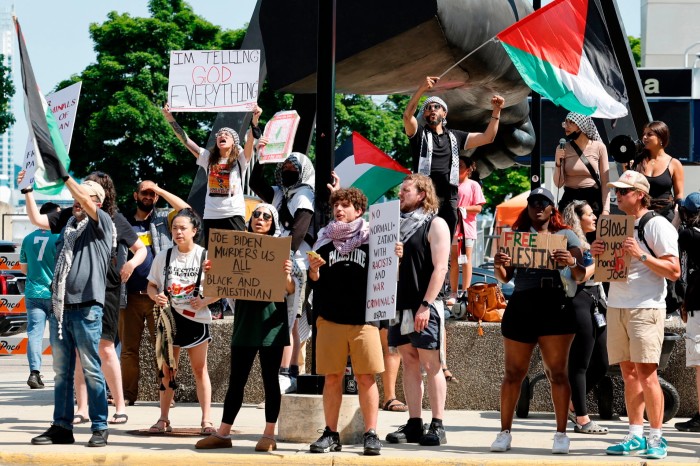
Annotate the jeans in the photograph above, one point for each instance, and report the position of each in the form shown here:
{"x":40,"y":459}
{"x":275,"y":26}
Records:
{"x":82,"y":328}
{"x":38,"y":311}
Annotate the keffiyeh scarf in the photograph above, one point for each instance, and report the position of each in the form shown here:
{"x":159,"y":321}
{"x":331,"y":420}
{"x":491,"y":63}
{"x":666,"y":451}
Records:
{"x":411,"y":222}
{"x":345,"y":236}
{"x":426,"y":155}
{"x":585,"y":124}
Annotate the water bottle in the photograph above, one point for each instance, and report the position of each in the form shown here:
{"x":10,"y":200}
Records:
{"x":350,"y":385}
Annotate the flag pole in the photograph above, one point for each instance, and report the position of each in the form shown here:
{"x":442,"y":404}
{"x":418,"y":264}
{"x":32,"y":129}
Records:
{"x":493,"y":39}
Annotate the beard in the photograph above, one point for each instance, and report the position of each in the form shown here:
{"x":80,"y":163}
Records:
{"x":433,"y":120}
{"x":143,"y":207}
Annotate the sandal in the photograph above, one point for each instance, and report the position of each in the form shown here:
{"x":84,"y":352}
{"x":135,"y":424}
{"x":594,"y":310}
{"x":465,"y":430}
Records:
{"x":207,"y":428}
{"x":156,"y":429}
{"x":449,"y":377}
{"x":117,"y":419}
{"x":80,"y":419}
{"x":591,"y":427}
{"x":398,"y":407}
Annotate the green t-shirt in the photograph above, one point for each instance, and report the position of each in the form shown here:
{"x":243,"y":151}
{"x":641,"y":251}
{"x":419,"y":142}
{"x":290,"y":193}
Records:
{"x":257,"y":323}
{"x":39,"y":253}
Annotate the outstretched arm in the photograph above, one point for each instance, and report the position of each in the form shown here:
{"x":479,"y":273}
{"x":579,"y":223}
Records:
{"x":176,"y":202}
{"x":488,"y":136}
{"x":179,"y":132}
{"x":250,"y":139}
{"x":38,"y":220}
{"x":410,"y":123}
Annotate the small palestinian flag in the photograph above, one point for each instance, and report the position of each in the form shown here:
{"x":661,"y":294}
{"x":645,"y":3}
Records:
{"x":360,"y":164}
{"x":563,"y":51}
{"x":51,"y":156}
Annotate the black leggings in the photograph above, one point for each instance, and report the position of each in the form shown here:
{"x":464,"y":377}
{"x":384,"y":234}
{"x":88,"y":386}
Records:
{"x":588,"y":357}
{"x":242,"y":358}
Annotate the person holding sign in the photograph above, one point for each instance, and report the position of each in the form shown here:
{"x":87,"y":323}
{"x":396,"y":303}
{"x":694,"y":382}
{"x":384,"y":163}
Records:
{"x":637,"y":312}
{"x":224,"y":204}
{"x":338,"y":267}
{"x":538,"y":313}
{"x":258,"y":328}
{"x":588,"y":356}
{"x":174,"y":281}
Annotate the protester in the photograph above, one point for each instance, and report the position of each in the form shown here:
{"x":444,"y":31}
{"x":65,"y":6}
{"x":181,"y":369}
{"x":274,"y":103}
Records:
{"x":78,"y":295}
{"x":418,"y":335}
{"x":582,"y":165}
{"x":392,"y":362}
{"x":553,"y":325}
{"x":152,"y":228}
{"x":258,"y":328}
{"x":37,"y":259}
{"x":636,"y":315}
{"x":174,"y":284}
{"x":588,"y":356}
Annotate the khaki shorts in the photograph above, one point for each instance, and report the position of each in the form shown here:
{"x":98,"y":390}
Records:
{"x":334,"y":342}
{"x":635,"y":334}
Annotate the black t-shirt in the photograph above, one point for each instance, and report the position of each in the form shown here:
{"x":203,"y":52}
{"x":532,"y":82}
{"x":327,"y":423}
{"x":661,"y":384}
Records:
{"x":139,"y":278}
{"x":441,"y":163}
{"x":340,"y":294}
{"x":689,"y":242}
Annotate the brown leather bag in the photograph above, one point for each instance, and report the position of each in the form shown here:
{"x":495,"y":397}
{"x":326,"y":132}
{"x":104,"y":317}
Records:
{"x":485,"y":302}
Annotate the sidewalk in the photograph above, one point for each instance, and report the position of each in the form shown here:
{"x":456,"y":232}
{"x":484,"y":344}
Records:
{"x":25,"y":413}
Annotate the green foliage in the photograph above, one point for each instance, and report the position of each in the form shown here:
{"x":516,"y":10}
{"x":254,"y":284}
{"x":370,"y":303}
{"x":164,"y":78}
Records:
{"x":7,"y":90}
{"x":636,"y":46}
{"x":501,"y":183}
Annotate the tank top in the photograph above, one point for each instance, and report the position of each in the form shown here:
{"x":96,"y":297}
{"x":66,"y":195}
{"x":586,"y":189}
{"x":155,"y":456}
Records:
{"x":415,"y":269}
{"x":661,"y":186}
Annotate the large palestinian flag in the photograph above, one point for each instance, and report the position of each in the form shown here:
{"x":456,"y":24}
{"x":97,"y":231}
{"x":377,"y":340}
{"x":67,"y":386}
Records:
{"x":361,"y":164}
{"x":563,"y":51}
{"x":51,"y":156}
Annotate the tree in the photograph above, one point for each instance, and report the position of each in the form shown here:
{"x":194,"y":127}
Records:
{"x":636,"y":46}
{"x":7,"y":90}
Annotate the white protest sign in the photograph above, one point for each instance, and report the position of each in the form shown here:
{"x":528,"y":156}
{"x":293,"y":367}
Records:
{"x":383,"y":264}
{"x":64,"y":105}
{"x":213,"y":80}
{"x":280,"y":132}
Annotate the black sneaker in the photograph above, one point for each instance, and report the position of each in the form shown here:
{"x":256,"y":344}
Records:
{"x":435,"y":436}
{"x":372,"y":444}
{"x":34,"y":380}
{"x":56,"y":435}
{"x":410,"y":432}
{"x":328,"y":441}
{"x":99,"y":438}
{"x":691,"y":425}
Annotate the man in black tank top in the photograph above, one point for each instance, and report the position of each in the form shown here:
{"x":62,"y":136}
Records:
{"x":418,"y":335}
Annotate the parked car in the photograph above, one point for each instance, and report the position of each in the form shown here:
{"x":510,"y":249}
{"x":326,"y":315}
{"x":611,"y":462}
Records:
{"x":485,"y":274}
{"x":13,"y":314}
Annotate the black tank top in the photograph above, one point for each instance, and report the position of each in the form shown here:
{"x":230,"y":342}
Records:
{"x":661,"y":186}
{"x":415,"y":269}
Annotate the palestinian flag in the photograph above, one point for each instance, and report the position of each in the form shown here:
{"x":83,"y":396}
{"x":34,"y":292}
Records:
{"x":360,"y":164}
{"x":51,"y":156}
{"x":563,"y":51}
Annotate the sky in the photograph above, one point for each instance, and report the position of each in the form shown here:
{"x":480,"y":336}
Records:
{"x":59,"y":44}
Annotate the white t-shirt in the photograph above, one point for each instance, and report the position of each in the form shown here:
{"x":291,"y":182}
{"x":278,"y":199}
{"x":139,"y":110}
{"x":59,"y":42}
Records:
{"x":181,"y":282}
{"x":303,"y":198}
{"x":644,"y":288}
{"x":224,"y":197}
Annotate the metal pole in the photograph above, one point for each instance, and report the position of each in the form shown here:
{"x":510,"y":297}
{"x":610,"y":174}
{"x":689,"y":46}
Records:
{"x":536,"y":110}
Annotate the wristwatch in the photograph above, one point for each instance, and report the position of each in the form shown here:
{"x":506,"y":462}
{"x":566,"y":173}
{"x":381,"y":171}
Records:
{"x":643,"y":258}
{"x":425,"y":303}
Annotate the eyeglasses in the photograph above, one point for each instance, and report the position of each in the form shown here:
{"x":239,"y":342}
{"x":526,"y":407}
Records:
{"x":623,"y":191}
{"x":431,"y":107}
{"x":265,"y":216}
{"x":539,"y":203}
{"x":566,"y":123}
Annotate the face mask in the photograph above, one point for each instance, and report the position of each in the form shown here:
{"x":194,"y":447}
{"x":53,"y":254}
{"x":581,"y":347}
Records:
{"x":289,"y":178}
{"x":574,"y":136}
{"x":142,"y":207}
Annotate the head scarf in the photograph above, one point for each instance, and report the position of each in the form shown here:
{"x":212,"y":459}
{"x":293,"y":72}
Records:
{"x":433,"y":100}
{"x":307,"y":174}
{"x":234,"y":135}
{"x":585,"y":124}
{"x":274,"y":228}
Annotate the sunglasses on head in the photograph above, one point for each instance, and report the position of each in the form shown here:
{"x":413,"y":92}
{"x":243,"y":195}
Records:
{"x":265,"y":216}
{"x":623,"y":191}
{"x":539,"y":203}
{"x":431,"y":107}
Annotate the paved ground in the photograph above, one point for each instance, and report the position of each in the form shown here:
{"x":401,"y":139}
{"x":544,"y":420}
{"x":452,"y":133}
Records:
{"x":25,"y":413}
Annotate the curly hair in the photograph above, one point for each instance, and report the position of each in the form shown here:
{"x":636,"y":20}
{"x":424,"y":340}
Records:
{"x":109,"y":205}
{"x":194,"y":219}
{"x":424,"y":184}
{"x":572,"y":217}
{"x":353,"y":195}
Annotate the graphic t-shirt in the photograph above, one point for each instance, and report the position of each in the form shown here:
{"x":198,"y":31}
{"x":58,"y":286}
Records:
{"x":139,"y":278}
{"x":224,"y":197}
{"x":39,"y":253}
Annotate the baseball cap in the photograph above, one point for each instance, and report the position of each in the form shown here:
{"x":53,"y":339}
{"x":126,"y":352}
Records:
{"x":94,"y":189}
{"x":692,"y":203}
{"x":631,"y":179}
{"x":541,"y":192}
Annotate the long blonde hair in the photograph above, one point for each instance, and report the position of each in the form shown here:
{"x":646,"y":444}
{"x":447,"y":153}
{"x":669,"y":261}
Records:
{"x":572,"y":217}
{"x":424,"y":184}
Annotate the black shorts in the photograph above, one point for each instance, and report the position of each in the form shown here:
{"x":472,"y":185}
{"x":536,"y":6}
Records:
{"x":429,"y":338}
{"x":110,"y":315}
{"x":538,"y":312}
{"x":189,"y":333}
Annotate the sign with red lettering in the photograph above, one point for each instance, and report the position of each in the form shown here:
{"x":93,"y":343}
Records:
{"x":531,"y":250}
{"x":383,"y":264}
{"x":9,"y":261}
{"x":280,"y":132}
{"x":213,"y":80}
{"x":614,"y":263}
{"x":12,"y":304}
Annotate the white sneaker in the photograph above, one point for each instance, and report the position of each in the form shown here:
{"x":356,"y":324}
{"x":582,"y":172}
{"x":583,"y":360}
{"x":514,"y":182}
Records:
{"x":288,"y":384}
{"x":561,"y":444}
{"x":502,"y":442}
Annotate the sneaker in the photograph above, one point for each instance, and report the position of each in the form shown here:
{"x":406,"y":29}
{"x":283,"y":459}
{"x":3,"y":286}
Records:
{"x":56,"y":435}
{"x":288,"y":384}
{"x":656,"y":448}
{"x":98,"y":439}
{"x":434,"y":437}
{"x":561,"y":444}
{"x":692,"y":425}
{"x":34,"y":380}
{"x":371,"y":443}
{"x":410,"y":432}
{"x":328,"y":441}
{"x":502,"y":442}
{"x":630,"y":445}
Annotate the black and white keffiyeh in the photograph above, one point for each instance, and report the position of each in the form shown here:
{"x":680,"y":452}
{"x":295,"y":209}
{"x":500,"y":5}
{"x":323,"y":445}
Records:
{"x":411,"y":222}
{"x":426,"y":155}
{"x":585,"y":124}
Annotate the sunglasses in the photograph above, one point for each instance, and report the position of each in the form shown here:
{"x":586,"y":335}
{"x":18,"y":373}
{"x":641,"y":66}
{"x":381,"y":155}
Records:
{"x":431,"y":107}
{"x":623,"y":191}
{"x":265,"y":216}
{"x":539,"y":203}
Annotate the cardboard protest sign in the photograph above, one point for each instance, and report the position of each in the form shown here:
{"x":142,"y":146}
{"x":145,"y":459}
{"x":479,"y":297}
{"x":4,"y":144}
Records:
{"x":246,"y":266}
{"x":383,"y":263}
{"x":613,"y":264}
{"x":531,"y":250}
{"x":280,"y":132}
{"x":64,"y":105}
{"x":213,"y":80}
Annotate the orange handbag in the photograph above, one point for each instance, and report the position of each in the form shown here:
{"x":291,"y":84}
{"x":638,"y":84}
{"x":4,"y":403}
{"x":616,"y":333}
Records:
{"x":485,"y":302}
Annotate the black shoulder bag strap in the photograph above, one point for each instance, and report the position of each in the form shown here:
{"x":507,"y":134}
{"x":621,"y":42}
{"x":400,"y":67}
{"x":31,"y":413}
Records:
{"x":199,"y":273}
{"x":166,"y":272}
{"x":588,"y":165}
{"x":640,"y":229}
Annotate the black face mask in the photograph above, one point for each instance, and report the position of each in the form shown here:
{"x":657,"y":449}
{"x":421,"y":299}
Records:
{"x":144,"y":208}
{"x":573,"y":136}
{"x":289,"y":178}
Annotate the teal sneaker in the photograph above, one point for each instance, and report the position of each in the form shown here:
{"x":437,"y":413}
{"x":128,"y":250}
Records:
{"x":656,"y":448}
{"x":630,"y":445}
